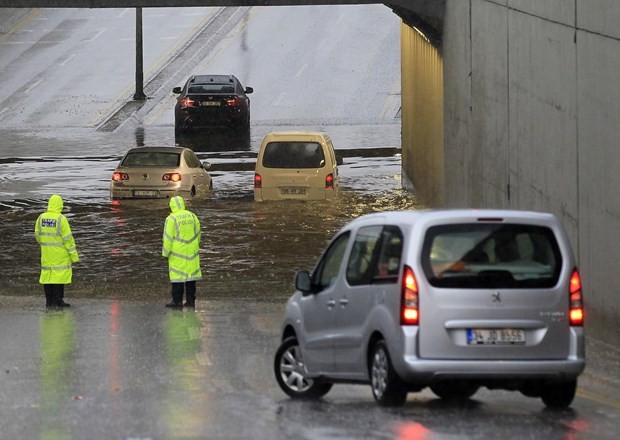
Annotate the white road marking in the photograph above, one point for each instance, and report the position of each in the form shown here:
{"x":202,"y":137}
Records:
{"x":33,"y":86}
{"x":123,"y":12}
{"x":301,"y":69}
{"x":69,"y":58}
{"x":280,"y":99}
{"x":99,"y":32}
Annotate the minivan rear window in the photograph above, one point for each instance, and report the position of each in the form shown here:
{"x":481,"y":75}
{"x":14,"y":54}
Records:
{"x":293,"y":155}
{"x":472,"y":256}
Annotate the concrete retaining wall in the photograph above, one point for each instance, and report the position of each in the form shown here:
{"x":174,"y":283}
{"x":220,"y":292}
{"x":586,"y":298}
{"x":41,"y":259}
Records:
{"x":532,"y":121}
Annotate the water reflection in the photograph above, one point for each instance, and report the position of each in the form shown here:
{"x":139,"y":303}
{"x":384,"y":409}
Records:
{"x":187,"y":408}
{"x":216,"y":140}
{"x":412,"y":431}
{"x":57,"y":344}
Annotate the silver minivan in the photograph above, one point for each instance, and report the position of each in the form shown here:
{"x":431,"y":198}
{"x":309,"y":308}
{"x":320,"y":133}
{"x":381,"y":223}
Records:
{"x":453,"y":300}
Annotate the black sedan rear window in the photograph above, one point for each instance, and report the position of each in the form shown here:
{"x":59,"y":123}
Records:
{"x":212,"y":88}
{"x":151,"y":159}
{"x":491,"y":256}
{"x":293,"y":155}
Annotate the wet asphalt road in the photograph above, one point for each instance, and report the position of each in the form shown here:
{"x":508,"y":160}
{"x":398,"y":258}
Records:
{"x":117,"y":364}
{"x":131,"y":369}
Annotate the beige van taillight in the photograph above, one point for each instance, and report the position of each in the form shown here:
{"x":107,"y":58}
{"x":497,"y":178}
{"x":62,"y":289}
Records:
{"x":576,"y":300}
{"x":409,"y":308}
{"x":329,"y":181}
{"x":258,"y":181}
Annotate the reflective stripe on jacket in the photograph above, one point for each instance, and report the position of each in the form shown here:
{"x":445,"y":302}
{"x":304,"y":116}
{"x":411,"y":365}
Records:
{"x":181,"y":243}
{"x":58,"y":249}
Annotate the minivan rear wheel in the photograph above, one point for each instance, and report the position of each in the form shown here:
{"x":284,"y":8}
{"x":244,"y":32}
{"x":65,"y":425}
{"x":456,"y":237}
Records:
{"x":291,"y":373}
{"x":387,"y":388}
{"x":559,"y":394}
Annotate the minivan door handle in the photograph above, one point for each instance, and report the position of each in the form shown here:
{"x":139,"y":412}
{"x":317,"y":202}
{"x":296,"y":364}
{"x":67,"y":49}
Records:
{"x":331,"y":303}
{"x":343,"y":302}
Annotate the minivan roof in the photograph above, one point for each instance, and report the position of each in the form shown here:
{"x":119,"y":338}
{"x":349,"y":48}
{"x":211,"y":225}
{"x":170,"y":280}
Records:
{"x":456,"y":216}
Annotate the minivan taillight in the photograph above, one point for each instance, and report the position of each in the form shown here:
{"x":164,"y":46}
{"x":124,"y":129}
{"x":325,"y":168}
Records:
{"x":329,"y":181}
{"x":576,"y":300}
{"x":409,"y":308}
{"x":258,"y":181}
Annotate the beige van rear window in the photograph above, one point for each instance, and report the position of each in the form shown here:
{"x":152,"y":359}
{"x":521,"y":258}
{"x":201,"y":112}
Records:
{"x":293,"y":155}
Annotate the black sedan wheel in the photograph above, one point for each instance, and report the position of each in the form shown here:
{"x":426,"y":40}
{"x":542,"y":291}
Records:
{"x":291,"y":375}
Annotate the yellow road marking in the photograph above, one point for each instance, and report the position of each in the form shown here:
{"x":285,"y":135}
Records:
{"x":591,"y":395}
{"x":25,"y":19}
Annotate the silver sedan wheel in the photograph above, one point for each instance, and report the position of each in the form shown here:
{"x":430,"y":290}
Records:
{"x":292,"y":370}
{"x":379,"y":373}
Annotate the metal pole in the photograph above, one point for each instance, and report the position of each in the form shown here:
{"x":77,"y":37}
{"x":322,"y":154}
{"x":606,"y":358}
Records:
{"x":139,"y":95}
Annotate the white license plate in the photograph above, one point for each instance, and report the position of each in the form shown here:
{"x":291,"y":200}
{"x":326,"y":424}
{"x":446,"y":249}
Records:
{"x":210,"y":103}
{"x":495,"y":336}
{"x":138,"y":193}
{"x":293,"y":190}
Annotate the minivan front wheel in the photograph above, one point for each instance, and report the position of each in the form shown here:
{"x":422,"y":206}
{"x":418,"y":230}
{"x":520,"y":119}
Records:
{"x":559,"y":394}
{"x":387,"y":388}
{"x":291,"y":373}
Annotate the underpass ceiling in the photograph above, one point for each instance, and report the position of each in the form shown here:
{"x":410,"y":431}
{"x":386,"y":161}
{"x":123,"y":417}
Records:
{"x":426,"y":15}
{"x":191,"y":3}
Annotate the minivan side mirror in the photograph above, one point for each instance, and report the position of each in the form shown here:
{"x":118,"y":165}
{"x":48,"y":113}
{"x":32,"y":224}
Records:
{"x":176,"y":90}
{"x":248,"y":90}
{"x":206,"y":165}
{"x":303,"y":283}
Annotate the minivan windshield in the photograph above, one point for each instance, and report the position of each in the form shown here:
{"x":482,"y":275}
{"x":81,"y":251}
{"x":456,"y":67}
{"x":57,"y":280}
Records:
{"x":293,"y":155}
{"x":483,"y":255}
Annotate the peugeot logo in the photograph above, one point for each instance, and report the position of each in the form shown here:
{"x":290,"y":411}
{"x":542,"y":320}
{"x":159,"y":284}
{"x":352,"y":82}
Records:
{"x":496,"y":297}
{"x":145,"y":176}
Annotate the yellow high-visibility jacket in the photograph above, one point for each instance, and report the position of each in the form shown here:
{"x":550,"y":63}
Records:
{"x":181,"y":243}
{"x":58,"y":250}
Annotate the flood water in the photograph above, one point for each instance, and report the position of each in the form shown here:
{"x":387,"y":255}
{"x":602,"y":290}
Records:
{"x":249,"y":249}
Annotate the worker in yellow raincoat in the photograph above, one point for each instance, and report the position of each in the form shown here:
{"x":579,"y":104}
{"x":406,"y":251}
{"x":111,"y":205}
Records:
{"x":58,"y":252}
{"x":181,"y":244}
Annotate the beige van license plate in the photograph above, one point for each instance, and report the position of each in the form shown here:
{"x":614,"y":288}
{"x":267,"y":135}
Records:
{"x":293,"y":190}
{"x":495,"y":336}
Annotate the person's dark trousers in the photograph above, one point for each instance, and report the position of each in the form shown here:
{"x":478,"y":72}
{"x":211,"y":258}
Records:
{"x":54,"y":294}
{"x":177,"y":295}
{"x":190,"y":293}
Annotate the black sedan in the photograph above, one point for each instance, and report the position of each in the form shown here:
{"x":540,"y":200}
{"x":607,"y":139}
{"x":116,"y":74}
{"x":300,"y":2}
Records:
{"x":211,"y":101}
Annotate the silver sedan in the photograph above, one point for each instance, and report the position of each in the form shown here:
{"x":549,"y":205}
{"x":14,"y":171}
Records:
{"x":160,"y":172}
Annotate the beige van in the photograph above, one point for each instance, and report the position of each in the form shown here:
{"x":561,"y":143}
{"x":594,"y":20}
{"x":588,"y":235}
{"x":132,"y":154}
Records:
{"x":296,"y":165}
